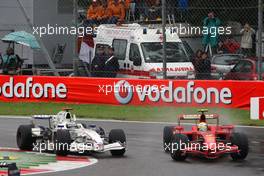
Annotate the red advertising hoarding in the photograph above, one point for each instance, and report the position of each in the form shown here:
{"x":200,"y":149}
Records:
{"x":230,"y":94}
{"x":257,"y":108}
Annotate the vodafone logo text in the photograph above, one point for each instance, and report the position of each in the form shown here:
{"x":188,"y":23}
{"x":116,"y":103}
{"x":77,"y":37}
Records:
{"x":30,"y":89}
{"x":168,"y":93}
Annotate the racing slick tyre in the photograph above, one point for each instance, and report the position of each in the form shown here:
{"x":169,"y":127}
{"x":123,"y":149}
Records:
{"x":117,"y":135}
{"x":62,"y":142}
{"x":24,"y":137}
{"x":167,"y":137}
{"x":240,"y":140}
{"x":178,"y":143}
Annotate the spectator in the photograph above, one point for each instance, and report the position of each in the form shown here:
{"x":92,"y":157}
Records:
{"x":171,"y":7}
{"x":210,"y":39}
{"x":93,"y":12}
{"x":98,"y":63}
{"x":203,"y":67}
{"x":197,"y":57}
{"x":110,"y":2}
{"x":142,"y":10}
{"x":221,"y":48}
{"x":155,"y":11}
{"x":247,"y":40}
{"x":127,"y":4}
{"x":104,"y":13}
{"x":231,"y":46}
{"x":130,"y":6}
{"x":118,"y":12}
{"x":183,"y":7}
{"x":123,"y":3}
{"x":11,"y":62}
{"x":111,"y":64}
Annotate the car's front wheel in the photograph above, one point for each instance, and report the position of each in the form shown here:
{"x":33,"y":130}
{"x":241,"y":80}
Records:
{"x":240,"y":140}
{"x":117,"y":135}
{"x":24,"y":137}
{"x":178,"y":144}
{"x":167,"y":137}
{"x":62,"y":142}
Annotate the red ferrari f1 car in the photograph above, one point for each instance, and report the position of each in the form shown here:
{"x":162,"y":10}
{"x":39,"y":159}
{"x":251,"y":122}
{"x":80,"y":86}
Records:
{"x":205,"y":140}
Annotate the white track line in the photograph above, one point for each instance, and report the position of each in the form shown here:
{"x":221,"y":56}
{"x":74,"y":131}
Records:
{"x":123,"y":121}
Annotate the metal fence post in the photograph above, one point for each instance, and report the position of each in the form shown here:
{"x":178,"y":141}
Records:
{"x":75,"y":42}
{"x":164,"y":21}
{"x":259,"y":44}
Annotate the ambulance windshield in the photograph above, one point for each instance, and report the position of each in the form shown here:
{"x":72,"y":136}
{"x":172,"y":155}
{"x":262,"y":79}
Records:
{"x":153,"y":52}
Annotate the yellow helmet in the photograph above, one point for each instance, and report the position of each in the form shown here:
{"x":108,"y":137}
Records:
{"x":202,"y":126}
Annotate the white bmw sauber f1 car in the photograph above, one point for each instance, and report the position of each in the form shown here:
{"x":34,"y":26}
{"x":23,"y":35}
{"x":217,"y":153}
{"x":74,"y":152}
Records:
{"x":64,"y":135}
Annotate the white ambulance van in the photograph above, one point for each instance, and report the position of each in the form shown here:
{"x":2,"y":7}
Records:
{"x":139,"y":51}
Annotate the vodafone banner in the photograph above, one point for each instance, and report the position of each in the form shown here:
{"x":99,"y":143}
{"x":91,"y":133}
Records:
{"x":257,"y":108}
{"x":231,"y":94}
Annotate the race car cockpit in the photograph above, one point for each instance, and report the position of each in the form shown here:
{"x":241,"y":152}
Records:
{"x":202,"y":126}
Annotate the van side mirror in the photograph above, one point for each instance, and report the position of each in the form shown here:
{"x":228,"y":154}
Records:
{"x":137,"y":61}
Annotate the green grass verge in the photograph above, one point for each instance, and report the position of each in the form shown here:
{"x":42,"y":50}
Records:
{"x":131,"y":113}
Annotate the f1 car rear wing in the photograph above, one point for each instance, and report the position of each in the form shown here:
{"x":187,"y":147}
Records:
{"x":197,"y":116}
{"x":42,"y":117}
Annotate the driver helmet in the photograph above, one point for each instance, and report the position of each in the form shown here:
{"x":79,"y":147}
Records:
{"x":68,"y":116}
{"x":202,"y":126}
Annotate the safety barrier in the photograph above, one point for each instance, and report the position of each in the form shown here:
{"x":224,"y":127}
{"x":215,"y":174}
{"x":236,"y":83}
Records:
{"x":229,"y":94}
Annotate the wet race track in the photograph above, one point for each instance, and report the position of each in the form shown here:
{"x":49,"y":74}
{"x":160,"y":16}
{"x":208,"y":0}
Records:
{"x":145,"y":155}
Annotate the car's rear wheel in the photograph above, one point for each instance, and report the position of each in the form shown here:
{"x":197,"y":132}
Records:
{"x":24,"y":137}
{"x":62,"y":142}
{"x":117,"y":135}
{"x":179,"y":142}
{"x":240,"y":140}
{"x":167,"y":137}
